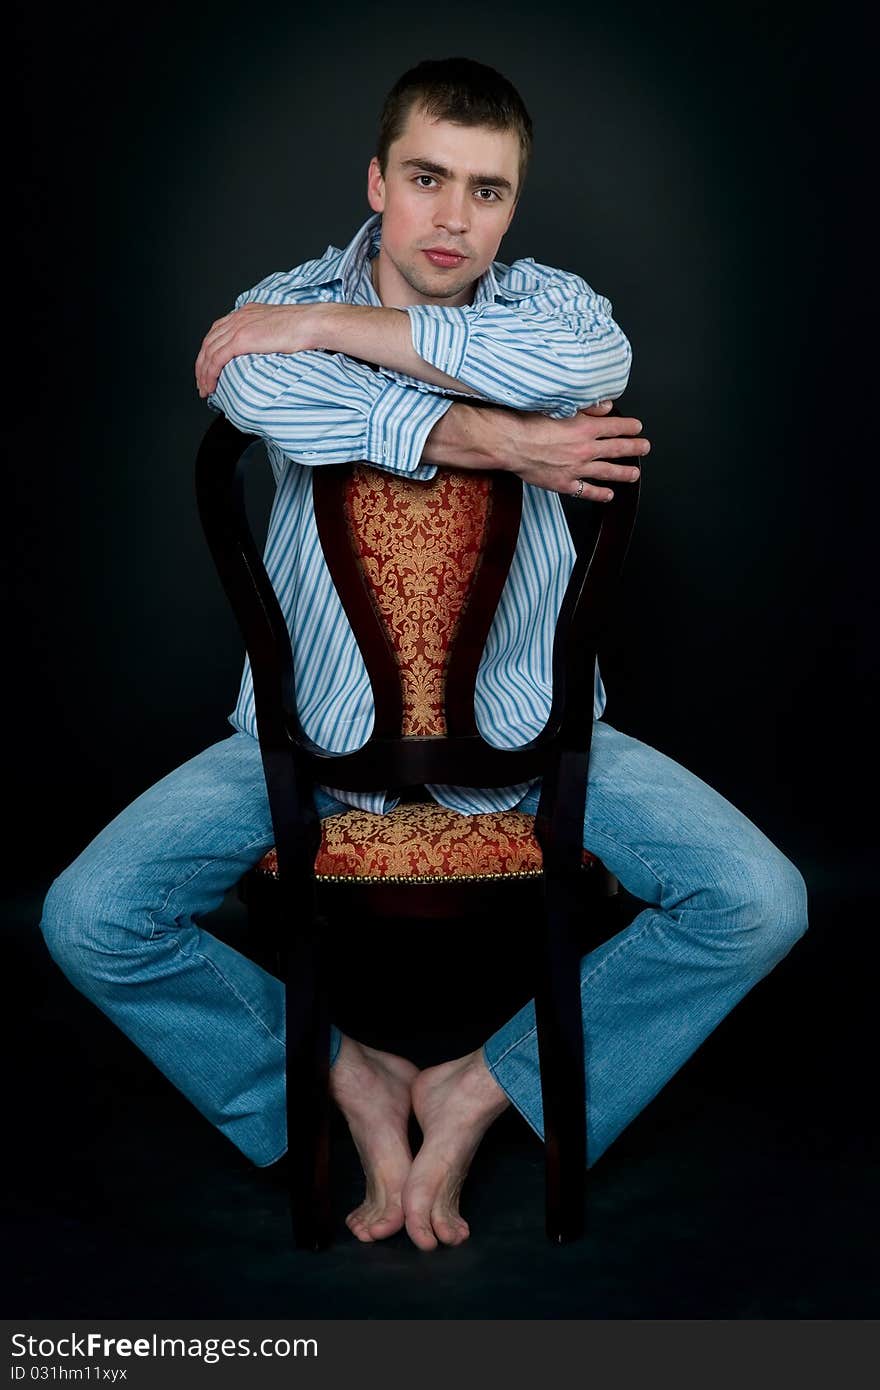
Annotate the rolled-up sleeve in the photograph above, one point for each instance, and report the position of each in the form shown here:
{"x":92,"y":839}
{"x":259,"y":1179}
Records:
{"x":556,"y":350}
{"x":319,"y":408}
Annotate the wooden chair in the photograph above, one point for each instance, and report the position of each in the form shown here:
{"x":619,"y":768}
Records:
{"x":420,"y":594}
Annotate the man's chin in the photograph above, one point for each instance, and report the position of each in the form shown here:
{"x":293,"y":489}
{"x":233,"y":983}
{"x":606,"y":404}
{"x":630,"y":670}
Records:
{"x":441,"y":285}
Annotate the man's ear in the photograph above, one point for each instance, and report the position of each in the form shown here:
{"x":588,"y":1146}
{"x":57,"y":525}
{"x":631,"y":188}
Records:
{"x":375,"y":186}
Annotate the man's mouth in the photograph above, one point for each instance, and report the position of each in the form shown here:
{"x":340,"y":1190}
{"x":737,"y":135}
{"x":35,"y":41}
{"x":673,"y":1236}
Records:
{"x":447,"y":259}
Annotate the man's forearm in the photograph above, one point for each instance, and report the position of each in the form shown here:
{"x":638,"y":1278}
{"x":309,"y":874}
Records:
{"x":371,"y":334}
{"x":465,"y":437}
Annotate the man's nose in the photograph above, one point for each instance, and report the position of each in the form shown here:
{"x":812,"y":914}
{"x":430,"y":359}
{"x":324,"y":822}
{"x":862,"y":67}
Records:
{"x":453,"y":211}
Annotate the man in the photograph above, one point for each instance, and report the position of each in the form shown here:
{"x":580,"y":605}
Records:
{"x":371,"y":353}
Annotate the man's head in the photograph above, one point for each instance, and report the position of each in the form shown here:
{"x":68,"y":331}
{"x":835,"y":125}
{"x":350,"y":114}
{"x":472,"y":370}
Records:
{"x":454,"y":143}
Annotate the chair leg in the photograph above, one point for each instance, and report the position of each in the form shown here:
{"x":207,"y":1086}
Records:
{"x":561,"y":1056}
{"x":308,"y":1095}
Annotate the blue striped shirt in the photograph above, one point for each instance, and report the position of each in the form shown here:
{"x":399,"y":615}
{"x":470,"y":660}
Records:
{"x":533,"y":339}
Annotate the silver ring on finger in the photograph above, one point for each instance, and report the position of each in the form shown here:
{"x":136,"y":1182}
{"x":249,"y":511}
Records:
{"x":578,"y":492}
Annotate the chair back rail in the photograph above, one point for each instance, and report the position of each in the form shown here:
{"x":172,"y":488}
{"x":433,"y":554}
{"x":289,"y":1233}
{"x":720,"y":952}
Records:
{"x":221,"y":504}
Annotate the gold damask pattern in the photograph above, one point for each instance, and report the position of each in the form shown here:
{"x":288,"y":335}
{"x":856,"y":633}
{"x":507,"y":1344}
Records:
{"x":419,"y":545}
{"x":427,"y":840}
{"x":424,"y":843}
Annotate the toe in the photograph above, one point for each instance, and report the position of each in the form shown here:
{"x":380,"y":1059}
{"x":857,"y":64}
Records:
{"x":358,"y":1227}
{"x":450,"y":1229}
{"x":386,"y":1223}
{"x":418,"y":1198}
{"x":418,"y":1228}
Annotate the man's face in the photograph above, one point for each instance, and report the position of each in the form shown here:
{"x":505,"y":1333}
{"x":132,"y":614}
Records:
{"x":446,"y":188}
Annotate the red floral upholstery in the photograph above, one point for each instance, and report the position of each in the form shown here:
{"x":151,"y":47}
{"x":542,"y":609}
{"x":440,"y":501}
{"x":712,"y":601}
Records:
{"x":424,"y":843}
{"x":419,"y":545}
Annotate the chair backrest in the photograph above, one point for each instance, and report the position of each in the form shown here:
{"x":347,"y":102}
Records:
{"x":419,"y":567}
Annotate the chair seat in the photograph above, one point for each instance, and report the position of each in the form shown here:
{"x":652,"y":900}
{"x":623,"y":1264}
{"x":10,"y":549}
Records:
{"x":424,"y":843}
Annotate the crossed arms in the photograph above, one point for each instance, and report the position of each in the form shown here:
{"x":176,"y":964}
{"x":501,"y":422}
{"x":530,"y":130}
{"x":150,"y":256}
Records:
{"x":329,"y":383}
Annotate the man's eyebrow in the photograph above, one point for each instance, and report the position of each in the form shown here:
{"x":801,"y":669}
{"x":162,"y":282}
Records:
{"x":474,"y":181}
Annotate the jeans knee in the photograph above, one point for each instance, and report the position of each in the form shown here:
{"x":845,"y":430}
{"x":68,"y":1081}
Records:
{"x":775,"y":909}
{"x":61,"y":921}
{"x":79,"y":925}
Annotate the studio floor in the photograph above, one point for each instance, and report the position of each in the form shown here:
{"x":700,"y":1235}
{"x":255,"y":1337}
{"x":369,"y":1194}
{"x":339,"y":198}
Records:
{"x":746,"y":1189}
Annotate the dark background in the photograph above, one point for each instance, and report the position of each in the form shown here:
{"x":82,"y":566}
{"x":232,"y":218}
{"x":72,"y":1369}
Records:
{"x":700,"y":167}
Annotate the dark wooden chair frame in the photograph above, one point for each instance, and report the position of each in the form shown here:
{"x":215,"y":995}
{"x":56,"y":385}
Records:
{"x":293,"y":764}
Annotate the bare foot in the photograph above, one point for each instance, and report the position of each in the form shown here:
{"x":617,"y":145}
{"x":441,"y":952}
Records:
{"x":372,"y":1089}
{"x":455,"y":1104}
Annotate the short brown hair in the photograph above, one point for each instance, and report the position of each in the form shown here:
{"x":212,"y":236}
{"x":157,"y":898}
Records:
{"x":459,"y":90}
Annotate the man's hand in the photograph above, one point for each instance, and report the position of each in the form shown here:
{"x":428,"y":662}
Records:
{"x":259,"y":328}
{"x":567,"y":456}
{"x":572,"y":456}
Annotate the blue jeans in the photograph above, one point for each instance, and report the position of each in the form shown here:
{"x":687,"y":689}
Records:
{"x":722,"y":907}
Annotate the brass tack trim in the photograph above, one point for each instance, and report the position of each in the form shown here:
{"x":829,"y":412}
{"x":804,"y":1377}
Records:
{"x":425,"y":878}
{"x":416,"y":878}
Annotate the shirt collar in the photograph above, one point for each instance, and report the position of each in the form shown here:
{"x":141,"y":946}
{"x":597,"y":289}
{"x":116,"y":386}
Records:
{"x":350,"y":266}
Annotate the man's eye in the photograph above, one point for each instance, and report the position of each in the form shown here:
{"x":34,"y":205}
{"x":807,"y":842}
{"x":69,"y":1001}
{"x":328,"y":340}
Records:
{"x":424,"y":176}
{"x":492,"y":192}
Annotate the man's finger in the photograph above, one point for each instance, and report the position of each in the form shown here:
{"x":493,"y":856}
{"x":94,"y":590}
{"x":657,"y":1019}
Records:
{"x":628,"y":446}
{"x":620,"y":424}
{"x":218,"y":334}
{"x":219,"y":330}
{"x":214,"y":355}
{"x":588,"y":493}
{"x":604,"y":471}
